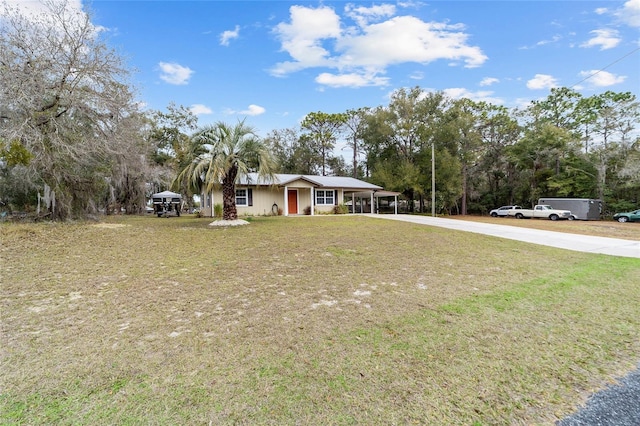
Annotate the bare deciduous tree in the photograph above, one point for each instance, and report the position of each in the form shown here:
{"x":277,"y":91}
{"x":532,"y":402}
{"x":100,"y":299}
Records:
{"x":65,"y":98}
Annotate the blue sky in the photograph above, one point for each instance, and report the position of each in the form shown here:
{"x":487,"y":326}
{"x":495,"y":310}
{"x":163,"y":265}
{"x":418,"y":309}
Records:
{"x":275,"y":61}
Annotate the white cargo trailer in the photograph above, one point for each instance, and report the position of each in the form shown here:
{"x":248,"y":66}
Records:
{"x":581,"y":208}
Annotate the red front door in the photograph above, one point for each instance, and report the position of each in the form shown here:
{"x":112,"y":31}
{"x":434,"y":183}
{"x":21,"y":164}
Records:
{"x":292,"y":196}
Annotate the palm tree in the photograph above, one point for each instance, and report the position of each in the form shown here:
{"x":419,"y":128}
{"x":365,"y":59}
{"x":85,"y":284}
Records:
{"x":233,"y":152}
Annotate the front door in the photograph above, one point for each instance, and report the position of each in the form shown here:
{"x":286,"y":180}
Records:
{"x":292,"y":196}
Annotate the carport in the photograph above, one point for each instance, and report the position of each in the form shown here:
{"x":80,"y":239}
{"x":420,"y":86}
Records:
{"x":361,"y":202}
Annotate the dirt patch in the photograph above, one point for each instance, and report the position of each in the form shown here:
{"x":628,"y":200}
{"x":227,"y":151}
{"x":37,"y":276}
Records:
{"x":110,"y":225}
{"x":237,"y":222}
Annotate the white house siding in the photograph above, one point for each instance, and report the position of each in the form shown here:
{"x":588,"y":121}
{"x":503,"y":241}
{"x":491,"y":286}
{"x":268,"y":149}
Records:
{"x":263,"y":201}
{"x":304,"y":198}
{"x":299,"y":184}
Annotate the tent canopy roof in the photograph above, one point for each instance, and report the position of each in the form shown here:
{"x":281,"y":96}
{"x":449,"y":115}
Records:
{"x":166,"y":194}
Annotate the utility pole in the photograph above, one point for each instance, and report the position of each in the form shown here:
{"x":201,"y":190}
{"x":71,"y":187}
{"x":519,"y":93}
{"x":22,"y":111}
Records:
{"x":433,"y":179}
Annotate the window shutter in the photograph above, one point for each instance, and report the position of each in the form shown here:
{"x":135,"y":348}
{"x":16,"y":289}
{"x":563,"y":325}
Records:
{"x":250,"y":196}
{"x":335,"y":197}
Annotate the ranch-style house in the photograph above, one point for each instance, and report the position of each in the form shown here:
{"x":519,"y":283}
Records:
{"x":291,"y":194}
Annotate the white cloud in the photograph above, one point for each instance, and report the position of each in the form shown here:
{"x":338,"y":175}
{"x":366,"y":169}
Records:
{"x":488,"y":81}
{"x":408,"y":39}
{"x":556,"y":38}
{"x":200,"y":109}
{"x":315,"y":37}
{"x":542,"y":81}
{"x":522,"y":103}
{"x":601,"y":11}
{"x":479,"y":96}
{"x":252,"y":110}
{"x":630,"y":13}
{"x":602,"y":78}
{"x":226,"y":36}
{"x":350,"y":80}
{"x":302,"y":38}
{"x":605,"y":38}
{"x":173,"y":73}
{"x":363,"y":15}
{"x":40,"y":11}
{"x":36,"y":8}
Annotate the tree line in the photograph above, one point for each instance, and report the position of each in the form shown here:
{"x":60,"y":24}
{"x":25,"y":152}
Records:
{"x":482,"y":155}
{"x":74,"y":141}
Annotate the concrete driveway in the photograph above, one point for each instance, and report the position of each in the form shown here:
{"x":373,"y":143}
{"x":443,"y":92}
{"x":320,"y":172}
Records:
{"x":584,"y":243}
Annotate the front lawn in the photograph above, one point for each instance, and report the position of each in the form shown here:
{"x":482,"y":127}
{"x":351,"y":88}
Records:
{"x":303,"y":320}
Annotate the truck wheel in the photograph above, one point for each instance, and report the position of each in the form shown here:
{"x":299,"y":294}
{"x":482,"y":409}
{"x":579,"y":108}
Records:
{"x":553,"y":217}
{"x":519,"y":216}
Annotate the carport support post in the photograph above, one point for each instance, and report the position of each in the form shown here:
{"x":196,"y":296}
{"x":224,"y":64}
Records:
{"x":373,"y":206}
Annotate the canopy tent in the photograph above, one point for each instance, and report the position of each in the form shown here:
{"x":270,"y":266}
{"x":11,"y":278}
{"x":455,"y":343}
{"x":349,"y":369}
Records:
{"x":166,"y":203}
{"x":166,"y":194}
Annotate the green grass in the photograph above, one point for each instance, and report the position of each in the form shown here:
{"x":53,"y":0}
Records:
{"x":310,"y":320}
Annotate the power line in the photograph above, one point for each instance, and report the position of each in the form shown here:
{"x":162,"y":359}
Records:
{"x":604,"y":68}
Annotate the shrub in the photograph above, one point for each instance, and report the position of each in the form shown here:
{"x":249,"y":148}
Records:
{"x":621,"y":206}
{"x":217,"y":210}
{"x":307,"y":210}
{"x":340,"y":209}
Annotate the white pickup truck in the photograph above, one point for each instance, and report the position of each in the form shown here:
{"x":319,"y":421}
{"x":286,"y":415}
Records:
{"x":541,"y":211}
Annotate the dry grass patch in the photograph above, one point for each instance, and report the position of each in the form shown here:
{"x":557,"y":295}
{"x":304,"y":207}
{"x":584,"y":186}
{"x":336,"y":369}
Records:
{"x":323,"y":320}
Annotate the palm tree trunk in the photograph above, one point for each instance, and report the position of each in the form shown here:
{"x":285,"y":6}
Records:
{"x":230,"y":212}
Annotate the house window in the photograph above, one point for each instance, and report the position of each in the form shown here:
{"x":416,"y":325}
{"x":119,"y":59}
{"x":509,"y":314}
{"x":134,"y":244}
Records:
{"x":325,"y":197}
{"x":244,"y":197}
{"x":241,"y":197}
